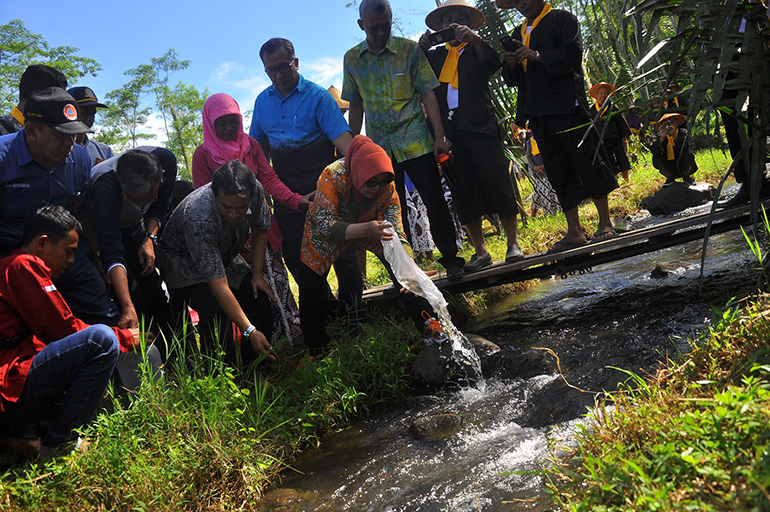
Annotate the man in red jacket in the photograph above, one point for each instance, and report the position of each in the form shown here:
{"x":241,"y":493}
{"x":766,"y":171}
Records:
{"x":54,"y":368}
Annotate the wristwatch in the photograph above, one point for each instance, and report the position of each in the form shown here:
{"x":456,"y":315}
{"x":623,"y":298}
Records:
{"x":152,"y":237}
{"x":247,"y":332}
{"x":537,"y":55}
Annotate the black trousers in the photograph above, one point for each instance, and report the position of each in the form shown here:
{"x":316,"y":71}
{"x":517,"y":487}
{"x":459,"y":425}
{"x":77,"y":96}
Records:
{"x":575,"y":173}
{"x":316,"y":309}
{"x":147,"y":292}
{"x":423,"y":172}
{"x":484,"y":186}
{"x":214,"y":327}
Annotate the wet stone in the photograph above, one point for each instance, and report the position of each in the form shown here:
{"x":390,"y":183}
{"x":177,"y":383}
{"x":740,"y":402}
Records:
{"x":436,"y":426}
{"x":285,"y":500}
{"x":437,"y":366}
{"x":660,"y":271}
{"x":678,"y":197}
{"x":489,"y":353}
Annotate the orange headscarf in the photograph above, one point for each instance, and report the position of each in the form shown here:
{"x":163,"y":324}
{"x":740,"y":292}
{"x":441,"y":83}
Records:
{"x":365,"y":160}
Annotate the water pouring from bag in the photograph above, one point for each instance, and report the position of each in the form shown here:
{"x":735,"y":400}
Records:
{"x":411,"y":277}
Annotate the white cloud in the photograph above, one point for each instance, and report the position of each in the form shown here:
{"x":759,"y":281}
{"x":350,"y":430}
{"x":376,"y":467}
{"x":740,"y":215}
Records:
{"x":325,"y":71}
{"x":225,"y":69}
{"x":155,"y":127}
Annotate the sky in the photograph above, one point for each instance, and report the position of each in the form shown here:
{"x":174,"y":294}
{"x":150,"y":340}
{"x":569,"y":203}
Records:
{"x":221,"y":39}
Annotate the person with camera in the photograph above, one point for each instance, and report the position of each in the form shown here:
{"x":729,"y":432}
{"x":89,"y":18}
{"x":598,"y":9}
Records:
{"x":463,"y":66}
{"x":546,"y":67}
{"x":671,"y":153}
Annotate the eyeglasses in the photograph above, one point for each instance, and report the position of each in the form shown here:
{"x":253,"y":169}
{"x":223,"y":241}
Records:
{"x":282,"y":69}
{"x":374,"y":183}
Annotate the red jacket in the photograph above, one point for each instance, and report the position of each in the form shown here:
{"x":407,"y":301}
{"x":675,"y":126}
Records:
{"x":31,"y":305}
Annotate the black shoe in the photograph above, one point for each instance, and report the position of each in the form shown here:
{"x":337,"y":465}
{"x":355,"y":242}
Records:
{"x":689,"y":180}
{"x":669,"y":181}
{"x":514,"y":253}
{"x":477,"y":263}
{"x":454,"y":272}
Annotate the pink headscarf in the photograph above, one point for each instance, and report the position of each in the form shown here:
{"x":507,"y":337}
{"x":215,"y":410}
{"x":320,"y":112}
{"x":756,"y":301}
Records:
{"x":222,"y":151}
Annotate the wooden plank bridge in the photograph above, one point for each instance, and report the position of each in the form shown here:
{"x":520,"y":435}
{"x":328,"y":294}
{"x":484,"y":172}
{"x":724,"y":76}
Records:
{"x":624,"y":245}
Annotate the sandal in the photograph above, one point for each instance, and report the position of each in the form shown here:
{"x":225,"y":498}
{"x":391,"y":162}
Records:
{"x":565,"y":245}
{"x":605,"y":234}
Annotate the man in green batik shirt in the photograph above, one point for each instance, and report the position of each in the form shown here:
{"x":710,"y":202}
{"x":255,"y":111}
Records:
{"x":387,"y":77}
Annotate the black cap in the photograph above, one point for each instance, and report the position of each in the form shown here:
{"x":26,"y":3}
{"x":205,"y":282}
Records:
{"x":57,"y":109}
{"x":85,"y":97}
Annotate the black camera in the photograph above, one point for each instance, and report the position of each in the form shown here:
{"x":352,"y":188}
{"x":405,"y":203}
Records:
{"x":510,"y":44}
{"x":442,"y":36}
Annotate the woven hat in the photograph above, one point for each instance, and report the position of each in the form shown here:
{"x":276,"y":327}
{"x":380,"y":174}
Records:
{"x":676,"y":119}
{"x":343,"y":104}
{"x":595,"y":89}
{"x":477,"y":18}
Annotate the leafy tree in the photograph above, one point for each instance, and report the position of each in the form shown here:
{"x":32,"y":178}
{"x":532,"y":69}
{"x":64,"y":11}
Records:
{"x":180,"y":107}
{"x":19,"y":48}
{"x":125,"y":116}
{"x":184,"y":106}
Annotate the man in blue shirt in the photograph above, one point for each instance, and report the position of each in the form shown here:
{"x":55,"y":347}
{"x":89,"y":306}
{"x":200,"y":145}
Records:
{"x":41,"y":165}
{"x":299,"y":125}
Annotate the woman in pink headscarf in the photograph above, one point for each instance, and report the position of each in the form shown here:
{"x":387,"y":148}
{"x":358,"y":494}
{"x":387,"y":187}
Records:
{"x":225,"y":140}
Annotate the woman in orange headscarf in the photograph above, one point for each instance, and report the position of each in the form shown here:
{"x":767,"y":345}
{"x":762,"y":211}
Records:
{"x":355,"y":203}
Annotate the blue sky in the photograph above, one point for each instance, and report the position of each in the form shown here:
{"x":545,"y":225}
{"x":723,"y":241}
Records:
{"x":221,"y":39}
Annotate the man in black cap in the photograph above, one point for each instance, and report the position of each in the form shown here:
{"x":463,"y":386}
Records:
{"x":34,"y":78}
{"x":42,"y":165}
{"x":87,"y":105}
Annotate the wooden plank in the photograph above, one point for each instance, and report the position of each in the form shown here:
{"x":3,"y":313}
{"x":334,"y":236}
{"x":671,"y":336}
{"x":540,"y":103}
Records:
{"x":648,"y":239}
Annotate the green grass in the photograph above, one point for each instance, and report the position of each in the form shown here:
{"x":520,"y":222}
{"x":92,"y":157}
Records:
{"x":693,"y":436}
{"x":213,"y":440}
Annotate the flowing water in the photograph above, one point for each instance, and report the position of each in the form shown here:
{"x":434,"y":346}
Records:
{"x":478,"y":449}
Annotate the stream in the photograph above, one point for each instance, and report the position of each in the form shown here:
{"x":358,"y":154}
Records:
{"x":480,"y":449}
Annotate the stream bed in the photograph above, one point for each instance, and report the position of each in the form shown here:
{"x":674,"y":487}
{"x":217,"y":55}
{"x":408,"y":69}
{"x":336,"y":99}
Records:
{"x":480,"y":449}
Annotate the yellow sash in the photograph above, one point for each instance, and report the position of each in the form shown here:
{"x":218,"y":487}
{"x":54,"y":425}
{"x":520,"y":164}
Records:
{"x":535,"y":147}
{"x":525,"y":34}
{"x":449,"y":74}
{"x":670,"y":147}
{"x":17,"y":114}
{"x":597,"y":106}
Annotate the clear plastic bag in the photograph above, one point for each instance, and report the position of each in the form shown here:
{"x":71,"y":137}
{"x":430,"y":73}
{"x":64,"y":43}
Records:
{"x":412,"y":277}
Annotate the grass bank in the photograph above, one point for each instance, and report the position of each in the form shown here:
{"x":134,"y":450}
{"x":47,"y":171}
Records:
{"x":213,"y":440}
{"x":693,"y":436}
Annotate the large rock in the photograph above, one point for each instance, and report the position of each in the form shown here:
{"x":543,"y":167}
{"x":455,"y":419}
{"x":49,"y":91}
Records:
{"x":677,"y":197}
{"x":436,"y":426}
{"x":439,"y":365}
{"x":489,"y":353}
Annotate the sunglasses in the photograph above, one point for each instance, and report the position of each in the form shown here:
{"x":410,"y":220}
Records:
{"x":374,"y":183}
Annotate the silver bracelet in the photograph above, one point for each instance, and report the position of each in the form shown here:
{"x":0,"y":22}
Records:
{"x":247,"y":332}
